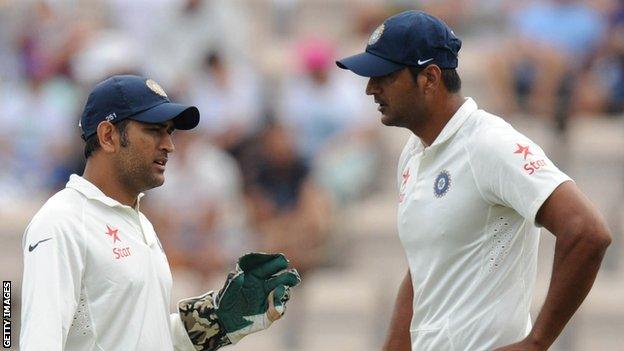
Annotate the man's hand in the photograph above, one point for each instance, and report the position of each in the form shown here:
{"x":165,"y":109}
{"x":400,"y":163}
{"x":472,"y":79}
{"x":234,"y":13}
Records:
{"x":254,"y":294}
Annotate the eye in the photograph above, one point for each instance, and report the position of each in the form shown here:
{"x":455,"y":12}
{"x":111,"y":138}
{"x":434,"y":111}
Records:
{"x":385,"y":79}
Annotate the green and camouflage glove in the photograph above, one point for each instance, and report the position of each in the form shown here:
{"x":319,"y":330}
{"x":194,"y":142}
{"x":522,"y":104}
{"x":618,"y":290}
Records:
{"x":254,"y":295}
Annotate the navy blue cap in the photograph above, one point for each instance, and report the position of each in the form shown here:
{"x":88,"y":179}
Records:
{"x":410,"y":38}
{"x":137,"y":98}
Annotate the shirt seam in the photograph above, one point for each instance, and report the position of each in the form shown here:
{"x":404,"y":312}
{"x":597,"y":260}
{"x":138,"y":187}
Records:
{"x":474,"y":177}
{"x":91,"y":321}
{"x":484,"y":250}
{"x":64,"y":257}
{"x":84,"y":259}
{"x":83,"y":249}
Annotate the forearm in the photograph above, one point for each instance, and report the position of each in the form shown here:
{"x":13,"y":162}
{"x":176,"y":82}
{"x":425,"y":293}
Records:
{"x":398,"y":338}
{"x":575,"y":267}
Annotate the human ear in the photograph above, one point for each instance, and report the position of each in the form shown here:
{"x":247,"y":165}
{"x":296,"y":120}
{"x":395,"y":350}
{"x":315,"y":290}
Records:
{"x":107,"y":137}
{"x":432,"y":77}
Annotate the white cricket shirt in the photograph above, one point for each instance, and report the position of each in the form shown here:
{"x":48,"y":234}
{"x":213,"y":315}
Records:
{"x":466,"y":219}
{"x":95,"y":277}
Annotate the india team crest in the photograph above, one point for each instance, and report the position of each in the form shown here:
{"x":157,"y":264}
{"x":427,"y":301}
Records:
{"x":442,"y":183}
{"x":155,"y":87}
{"x":376,"y":34}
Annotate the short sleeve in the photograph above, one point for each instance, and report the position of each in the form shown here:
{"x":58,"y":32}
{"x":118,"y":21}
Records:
{"x":511,"y":170}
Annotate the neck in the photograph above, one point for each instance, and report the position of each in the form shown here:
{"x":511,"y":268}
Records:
{"x":102,"y":176}
{"x":438,"y":118}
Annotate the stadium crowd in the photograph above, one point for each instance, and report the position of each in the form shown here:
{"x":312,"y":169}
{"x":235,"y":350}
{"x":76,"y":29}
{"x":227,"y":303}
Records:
{"x":272,"y":155}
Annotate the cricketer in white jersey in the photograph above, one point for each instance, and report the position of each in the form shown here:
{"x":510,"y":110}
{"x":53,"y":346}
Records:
{"x":95,"y":274}
{"x":472,"y":193}
{"x":467,"y":205}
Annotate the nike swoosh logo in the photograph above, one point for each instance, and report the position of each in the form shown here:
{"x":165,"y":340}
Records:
{"x":32,"y":247}
{"x":424,"y":61}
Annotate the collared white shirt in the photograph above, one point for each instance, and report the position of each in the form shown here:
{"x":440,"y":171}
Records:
{"x":95,"y":277}
{"x":466,"y":219}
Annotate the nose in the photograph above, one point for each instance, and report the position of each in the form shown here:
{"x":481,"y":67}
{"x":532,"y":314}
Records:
{"x":167,"y":143}
{"x":372,"y":87}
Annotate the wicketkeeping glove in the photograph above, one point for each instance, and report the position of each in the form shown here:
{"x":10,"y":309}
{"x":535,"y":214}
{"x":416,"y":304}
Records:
{"x":243,"y":305}
{"x":254,"y":295}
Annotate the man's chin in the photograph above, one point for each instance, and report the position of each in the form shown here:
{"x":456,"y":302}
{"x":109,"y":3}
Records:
{"x":156,"y":181}
{"x":160,"y":180}
{"x":388,"y":121}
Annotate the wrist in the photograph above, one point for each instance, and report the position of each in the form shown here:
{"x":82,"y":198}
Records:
{"x":396,"y":345}
{"x":536,"y":343}
{"x":199,"y":317}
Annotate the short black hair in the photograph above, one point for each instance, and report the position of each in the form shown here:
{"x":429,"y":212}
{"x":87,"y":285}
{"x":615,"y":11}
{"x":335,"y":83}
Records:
{"x":92,"y":143}
{"x":450,"y":77}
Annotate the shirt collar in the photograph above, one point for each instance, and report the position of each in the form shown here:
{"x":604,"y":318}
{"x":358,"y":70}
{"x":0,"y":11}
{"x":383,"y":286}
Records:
{"x":90,"y":191}
{"x":465,"y":110}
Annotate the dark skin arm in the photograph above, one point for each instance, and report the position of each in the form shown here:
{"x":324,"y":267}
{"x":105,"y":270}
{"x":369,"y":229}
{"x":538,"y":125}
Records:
{"x":398,"y":338}
{"x":582,"y":239}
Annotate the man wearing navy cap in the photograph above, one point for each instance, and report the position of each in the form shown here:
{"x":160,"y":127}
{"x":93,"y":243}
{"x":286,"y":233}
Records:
{"x":95,"y":274}
{"x":473,"y":193}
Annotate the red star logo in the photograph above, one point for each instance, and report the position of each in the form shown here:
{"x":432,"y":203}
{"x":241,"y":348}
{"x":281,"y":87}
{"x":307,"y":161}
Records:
{"x":406,"y":176}
{"x":112,"y":233}
{"x":524,"y":150}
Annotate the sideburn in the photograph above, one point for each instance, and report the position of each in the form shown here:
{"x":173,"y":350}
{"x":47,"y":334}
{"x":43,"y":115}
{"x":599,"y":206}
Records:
{"x":123,"y":139}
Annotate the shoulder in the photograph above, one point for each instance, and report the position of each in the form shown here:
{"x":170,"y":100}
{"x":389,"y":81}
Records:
{"x":485,"y":128}
{"x":489,"y":136}
{"x":59,"y":215}
{"x":61,"y":206}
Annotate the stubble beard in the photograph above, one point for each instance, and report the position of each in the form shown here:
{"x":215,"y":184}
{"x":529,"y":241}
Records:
{"x":393,"y":120}
{"x":135,"y":173}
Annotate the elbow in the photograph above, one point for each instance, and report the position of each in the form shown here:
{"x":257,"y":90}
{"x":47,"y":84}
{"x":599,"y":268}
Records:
{"x":595,"y":236}
{"x":599,"y":242}
{"x":603,"y":240}
{"x":600,"y":236}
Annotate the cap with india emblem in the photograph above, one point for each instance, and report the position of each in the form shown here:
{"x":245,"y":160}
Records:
{"x":134,"y":97}
{"x":410,"y":38}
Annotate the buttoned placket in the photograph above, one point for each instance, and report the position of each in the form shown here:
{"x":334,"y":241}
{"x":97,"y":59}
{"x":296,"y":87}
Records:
{"x":134,"y":214}
{"x":148,"y":236}
{"x":427,"y":156}
{"x":414,"y":165}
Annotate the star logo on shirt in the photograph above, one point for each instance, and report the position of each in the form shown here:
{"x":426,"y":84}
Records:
{"x":524,"y":150}
{"x":112,"y":233}
{"x":406,"y":176}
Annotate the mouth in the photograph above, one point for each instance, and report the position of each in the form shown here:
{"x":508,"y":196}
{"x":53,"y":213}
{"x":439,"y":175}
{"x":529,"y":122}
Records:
{"x":161,"y":162}
{"x":382,"y":106}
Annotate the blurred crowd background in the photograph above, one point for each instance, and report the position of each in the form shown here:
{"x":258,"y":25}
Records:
{"x":290,"y":155}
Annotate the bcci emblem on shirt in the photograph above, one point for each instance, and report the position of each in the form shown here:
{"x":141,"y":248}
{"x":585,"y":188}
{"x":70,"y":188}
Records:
{"x":442,"y":183}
